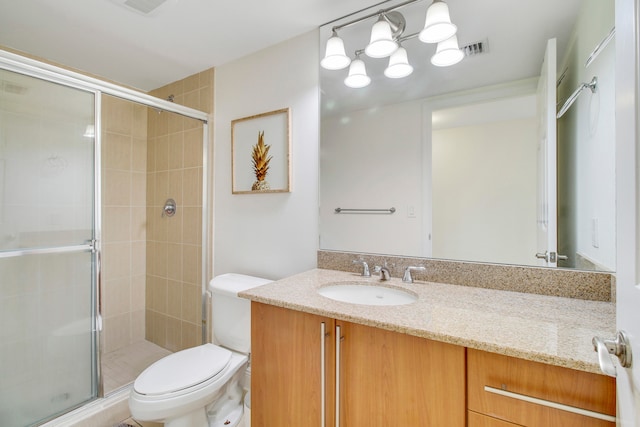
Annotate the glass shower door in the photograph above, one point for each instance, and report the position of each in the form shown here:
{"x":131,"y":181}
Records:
{"x":47,"y":256}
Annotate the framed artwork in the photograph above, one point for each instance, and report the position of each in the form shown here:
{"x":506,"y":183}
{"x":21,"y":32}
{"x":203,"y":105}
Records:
{"x":261,"y":153}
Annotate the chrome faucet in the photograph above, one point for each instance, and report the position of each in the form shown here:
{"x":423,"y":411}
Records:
{"x":383,"y":271}
{"x":407,"y":273}
{"x":365,"y":267}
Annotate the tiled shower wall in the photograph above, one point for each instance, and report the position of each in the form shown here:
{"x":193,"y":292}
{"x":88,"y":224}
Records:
{"x":174,"y":254}
{"x":124,"y":163}
{"x":151,"y":281}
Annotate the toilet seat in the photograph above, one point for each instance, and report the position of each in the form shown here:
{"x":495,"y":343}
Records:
{"x":183,"y":370}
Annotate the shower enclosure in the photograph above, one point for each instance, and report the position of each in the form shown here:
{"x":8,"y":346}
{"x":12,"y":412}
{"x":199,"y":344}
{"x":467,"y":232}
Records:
{"x":58,"y":264}
{"x":47,"y":242}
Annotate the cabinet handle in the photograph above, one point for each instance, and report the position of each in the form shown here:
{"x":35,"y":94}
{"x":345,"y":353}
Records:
{"x":550,"y":404}
{"x":323,"y":385}
{"x":338,"y":334}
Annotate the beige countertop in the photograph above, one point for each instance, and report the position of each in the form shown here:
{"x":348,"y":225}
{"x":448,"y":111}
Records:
{"x":546,"y":329}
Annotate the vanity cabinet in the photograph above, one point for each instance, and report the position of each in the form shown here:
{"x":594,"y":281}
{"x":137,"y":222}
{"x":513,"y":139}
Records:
{"x":308,"y":368}
{"x":505,"y":391}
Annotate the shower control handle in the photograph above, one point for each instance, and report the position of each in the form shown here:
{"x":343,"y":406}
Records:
{"x":169,"y":208}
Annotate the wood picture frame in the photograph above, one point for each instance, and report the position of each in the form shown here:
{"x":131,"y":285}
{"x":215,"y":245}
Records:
{"x":261,"y":153}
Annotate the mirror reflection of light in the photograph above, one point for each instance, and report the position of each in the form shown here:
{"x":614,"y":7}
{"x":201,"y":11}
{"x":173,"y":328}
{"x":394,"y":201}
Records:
{"x":90,"y":131}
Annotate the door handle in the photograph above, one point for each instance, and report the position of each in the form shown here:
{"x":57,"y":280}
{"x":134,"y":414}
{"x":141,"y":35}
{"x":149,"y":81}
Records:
{"x":337,"y":404}
{"x":551,"y":256}
{"x":323,"y":383}
{"x":619,"y":347}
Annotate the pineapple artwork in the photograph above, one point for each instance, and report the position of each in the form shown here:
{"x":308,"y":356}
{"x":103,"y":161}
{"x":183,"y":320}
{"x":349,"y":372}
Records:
{"x":260,"y":159}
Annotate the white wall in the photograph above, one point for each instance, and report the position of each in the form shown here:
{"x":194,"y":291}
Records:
{"x":587,"y":130}
{"x":369,"y":164}
{"x":484,"y":191}
{"x":270,"y":235}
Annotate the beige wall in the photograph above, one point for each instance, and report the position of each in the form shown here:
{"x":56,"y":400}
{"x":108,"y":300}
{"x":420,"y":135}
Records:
{"x":152,"y":264}
{"x":174,"y":244}
{"x":124,"y":162}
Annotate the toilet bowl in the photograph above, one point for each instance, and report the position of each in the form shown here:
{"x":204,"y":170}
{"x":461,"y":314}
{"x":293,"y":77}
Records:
{"x":202,"y":386}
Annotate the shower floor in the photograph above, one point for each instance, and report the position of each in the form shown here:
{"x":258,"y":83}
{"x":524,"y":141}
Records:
{"x":121,"y":367}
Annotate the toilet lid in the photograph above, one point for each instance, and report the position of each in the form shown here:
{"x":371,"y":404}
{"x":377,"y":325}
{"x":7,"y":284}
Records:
{"x":183,"y":369}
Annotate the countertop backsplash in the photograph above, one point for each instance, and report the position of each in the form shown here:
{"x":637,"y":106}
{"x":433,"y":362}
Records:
{"x":587,"y":285}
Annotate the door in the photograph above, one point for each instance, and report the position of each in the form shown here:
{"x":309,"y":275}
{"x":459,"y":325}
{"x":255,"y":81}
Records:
{"x":47,"y":280}
{"x":627,"y":211}
{"x":392,"y":379}
{"x":547,"y":171}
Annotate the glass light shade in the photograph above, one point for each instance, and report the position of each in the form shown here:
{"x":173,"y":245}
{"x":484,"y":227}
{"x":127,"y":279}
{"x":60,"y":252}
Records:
{"x":381,"y":43}
{"x":447,"y":53}
{"x":334,"y":57}
{"x":437,"y":26}
{"x":357,"y":77}
{"x":398,"y":65}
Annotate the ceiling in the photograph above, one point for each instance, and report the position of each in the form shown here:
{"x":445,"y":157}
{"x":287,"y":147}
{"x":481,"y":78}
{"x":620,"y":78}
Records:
{"x":179,"y":39}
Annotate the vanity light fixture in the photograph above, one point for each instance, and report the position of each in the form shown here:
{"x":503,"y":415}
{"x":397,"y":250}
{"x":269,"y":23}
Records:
{"x":437,"y":26}
{"x":383,"y":33}
{"x":357,"y":77}
{"x":385,"y":41}
{"x":447,"y":53}
{"x":398,"y":64}
{"x":335,"y":58}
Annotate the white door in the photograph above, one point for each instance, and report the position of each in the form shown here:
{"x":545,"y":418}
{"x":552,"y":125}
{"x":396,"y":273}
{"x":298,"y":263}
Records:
{"x":547,"y":176}
{"x":627,"y":211}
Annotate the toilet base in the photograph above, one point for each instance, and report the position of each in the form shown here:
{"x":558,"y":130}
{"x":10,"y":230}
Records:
{"x":197,"y":418}
{"x":231,"y":419}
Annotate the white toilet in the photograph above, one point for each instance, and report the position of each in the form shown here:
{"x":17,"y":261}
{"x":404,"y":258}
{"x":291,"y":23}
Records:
{"x":202,"y":386}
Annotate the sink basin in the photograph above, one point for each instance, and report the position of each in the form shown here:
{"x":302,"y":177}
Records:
{"x":365,"y":293}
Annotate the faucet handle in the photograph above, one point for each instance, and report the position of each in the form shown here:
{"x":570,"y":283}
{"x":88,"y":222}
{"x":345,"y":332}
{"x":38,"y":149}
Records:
{"x":383,"y":271}
{"x":365,"y":267}
{"x":407,"y":273}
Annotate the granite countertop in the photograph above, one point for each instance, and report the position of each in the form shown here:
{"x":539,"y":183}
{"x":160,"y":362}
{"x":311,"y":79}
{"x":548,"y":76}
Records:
{"x":547,"y":329}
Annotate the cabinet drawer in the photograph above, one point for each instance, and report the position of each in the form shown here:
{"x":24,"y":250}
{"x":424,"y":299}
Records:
{"x":530,"y":386}
{"x":478,"y":420}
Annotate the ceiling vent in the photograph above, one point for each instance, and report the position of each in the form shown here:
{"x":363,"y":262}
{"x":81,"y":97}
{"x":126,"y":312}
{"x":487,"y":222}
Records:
{"x":474,"y":49}
{"x":144,"y":7}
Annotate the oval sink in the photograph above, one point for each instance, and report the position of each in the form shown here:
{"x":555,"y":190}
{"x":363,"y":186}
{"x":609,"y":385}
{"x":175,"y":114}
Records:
{"x":366,"y":294}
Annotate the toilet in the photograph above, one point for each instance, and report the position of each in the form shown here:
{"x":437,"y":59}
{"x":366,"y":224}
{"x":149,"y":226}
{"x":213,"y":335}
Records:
{"x":202,"y":386}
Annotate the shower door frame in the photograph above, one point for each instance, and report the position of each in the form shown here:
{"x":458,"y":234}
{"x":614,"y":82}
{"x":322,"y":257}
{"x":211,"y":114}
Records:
{"x":41,"y":70}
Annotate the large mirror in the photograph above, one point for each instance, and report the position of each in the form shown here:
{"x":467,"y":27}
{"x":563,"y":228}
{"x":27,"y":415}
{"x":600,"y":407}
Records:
{"x":468,"y":161}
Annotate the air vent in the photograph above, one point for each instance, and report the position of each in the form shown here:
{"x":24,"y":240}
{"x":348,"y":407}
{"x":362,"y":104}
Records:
{"x":476,"y":48}
{"x":144,"y":7}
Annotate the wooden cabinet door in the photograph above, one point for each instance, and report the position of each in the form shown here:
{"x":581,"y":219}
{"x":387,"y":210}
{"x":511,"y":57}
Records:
{"x":393,"y":379}
{"x":286,"y":369}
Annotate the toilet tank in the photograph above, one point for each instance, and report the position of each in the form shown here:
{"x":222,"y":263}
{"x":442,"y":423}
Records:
{"x":231,"y":315}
